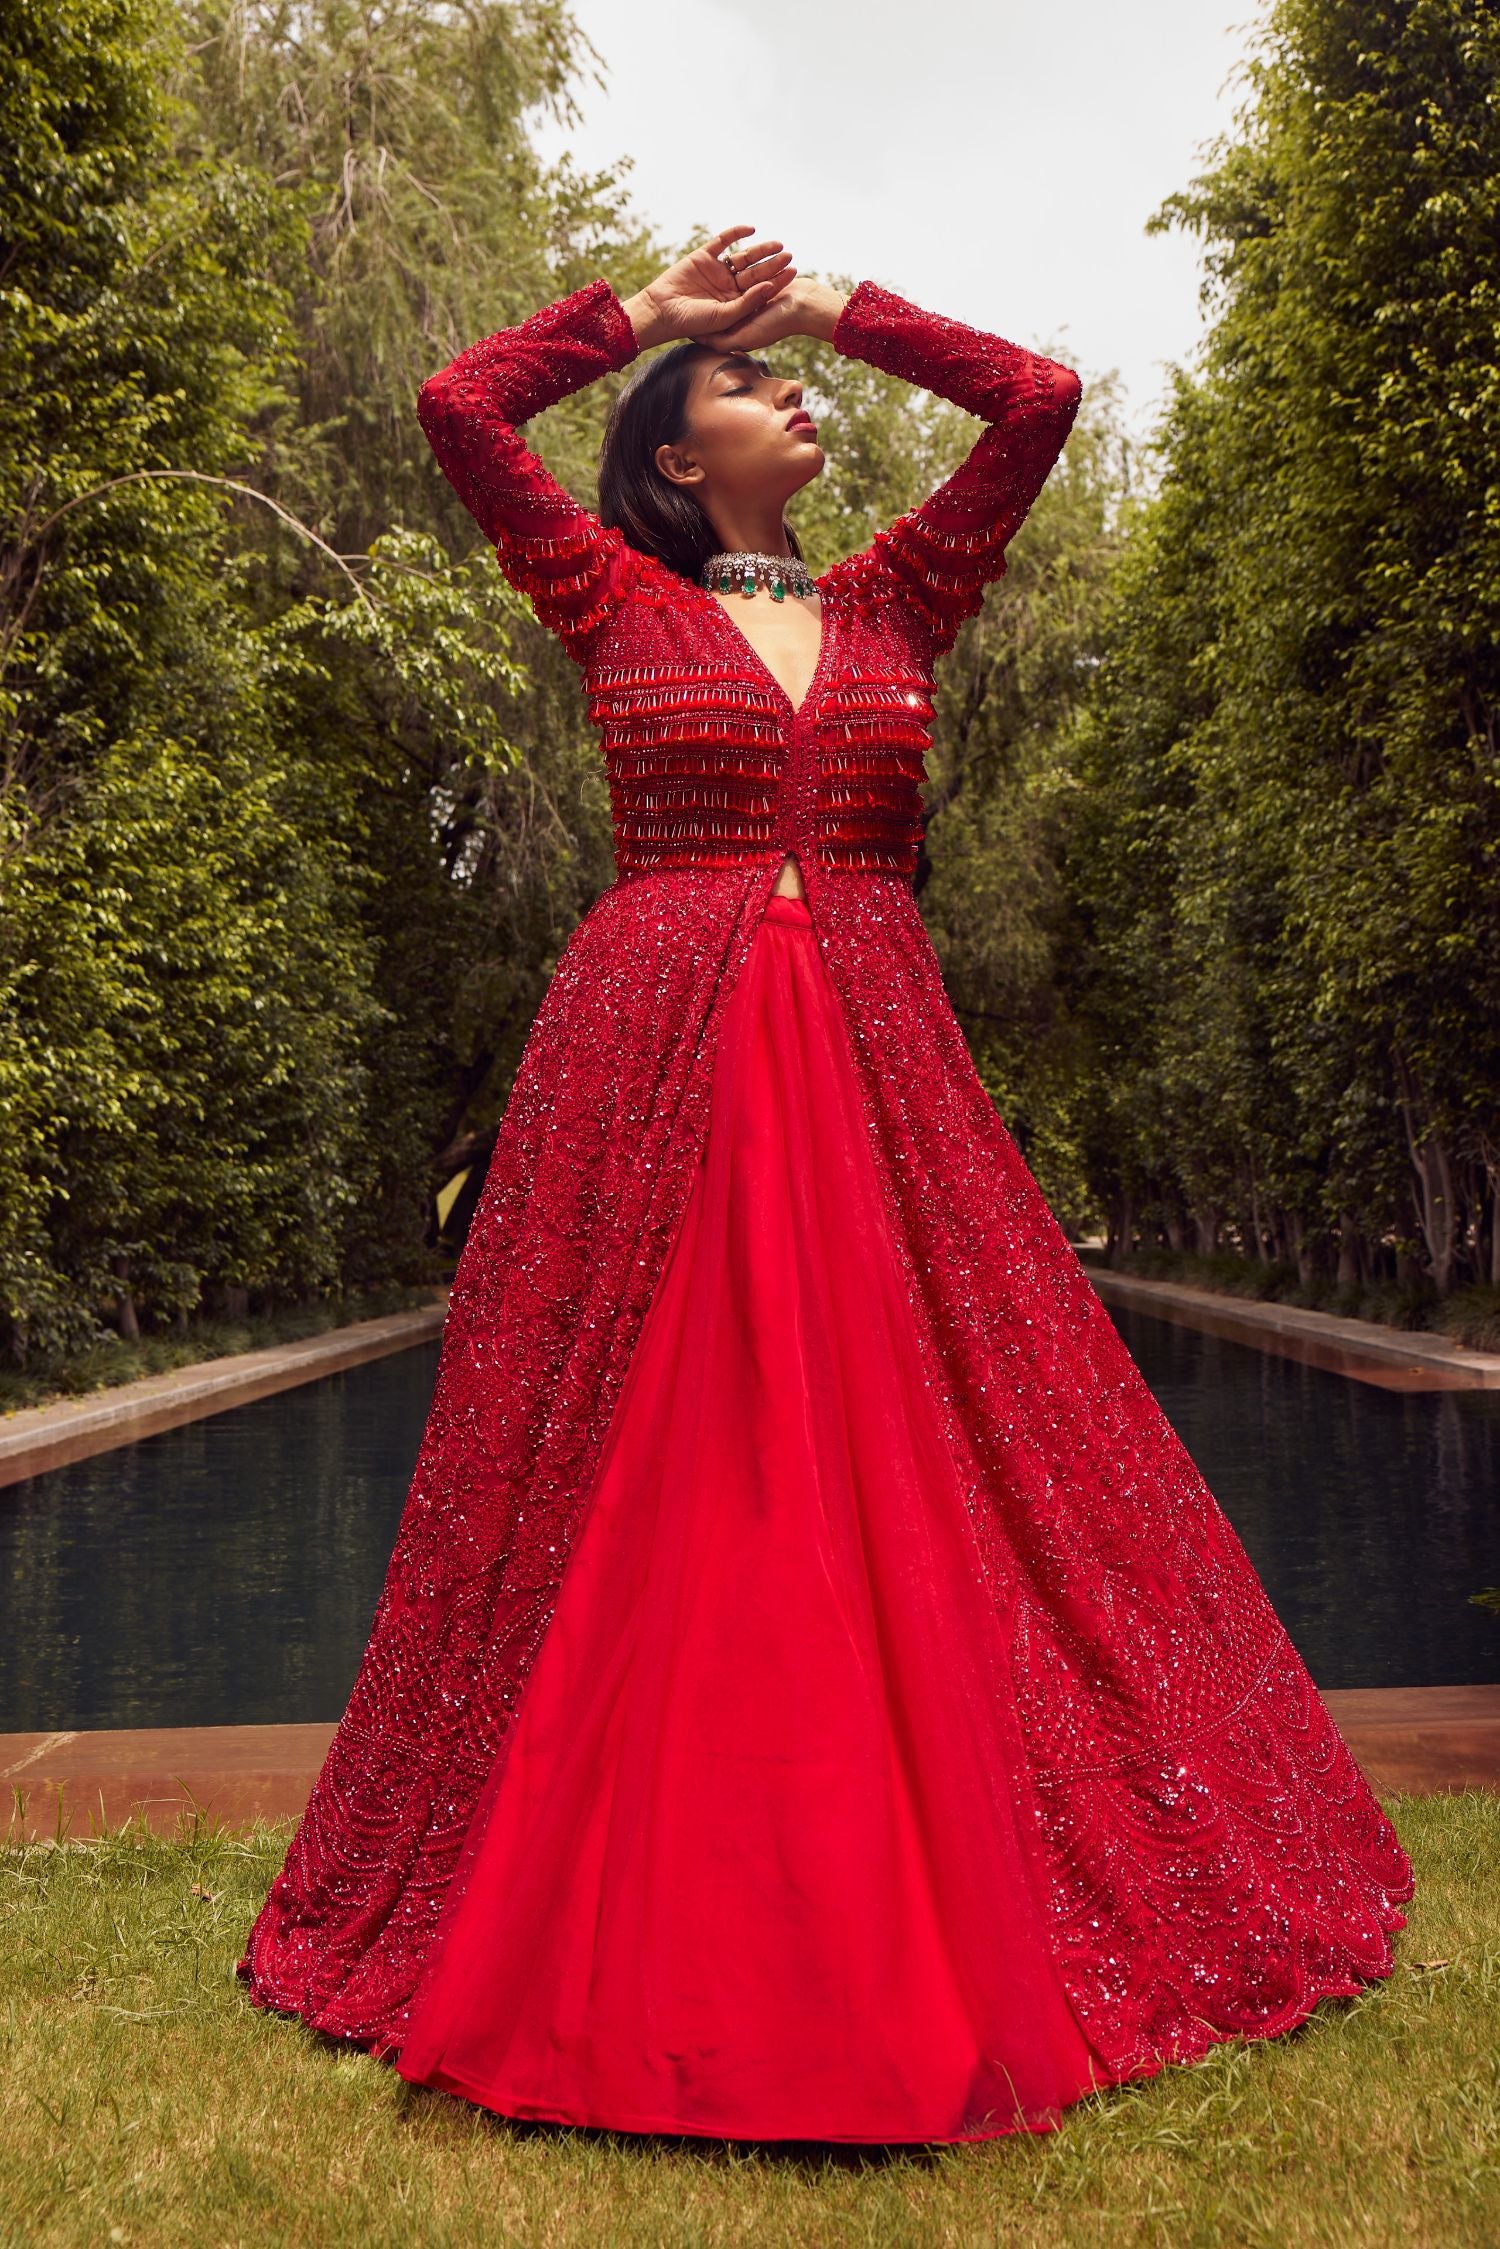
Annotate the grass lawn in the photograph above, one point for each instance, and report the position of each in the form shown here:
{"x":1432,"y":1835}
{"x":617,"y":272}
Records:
{"x":144,"y":2101}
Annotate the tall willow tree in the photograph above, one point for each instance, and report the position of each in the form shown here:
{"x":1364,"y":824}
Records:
{"x":404,"y":131}
{"x":402,"y":135}
{"x":484,"y":823}
{"x":1288,"y":888}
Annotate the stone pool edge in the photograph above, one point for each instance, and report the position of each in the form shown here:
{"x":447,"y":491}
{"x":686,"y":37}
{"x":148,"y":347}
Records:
{"x":1391,"y":1358}
{"x":39,"y":1438}
{"x":1422,"y":1741}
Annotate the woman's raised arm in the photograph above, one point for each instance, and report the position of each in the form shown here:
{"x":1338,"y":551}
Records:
{"x":550,"y":545}
{"x":939,"y":557}
{"x":547,"y":543}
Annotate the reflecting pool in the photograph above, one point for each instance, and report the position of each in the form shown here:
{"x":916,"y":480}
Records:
{"x":226,"y":1573}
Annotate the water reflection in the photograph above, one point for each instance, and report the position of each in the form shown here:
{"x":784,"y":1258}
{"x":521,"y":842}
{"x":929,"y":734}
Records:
{"x":221,"y":1574}
{"x":1370,"y":1514}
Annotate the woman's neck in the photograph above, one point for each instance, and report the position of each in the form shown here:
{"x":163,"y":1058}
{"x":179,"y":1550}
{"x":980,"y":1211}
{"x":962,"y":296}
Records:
{"x":750,"y":530}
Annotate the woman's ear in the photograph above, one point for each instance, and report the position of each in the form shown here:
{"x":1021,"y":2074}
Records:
{"x":676,"y":466}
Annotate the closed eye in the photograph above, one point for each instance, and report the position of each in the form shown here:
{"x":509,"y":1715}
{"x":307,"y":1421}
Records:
{"x":761,"y":367}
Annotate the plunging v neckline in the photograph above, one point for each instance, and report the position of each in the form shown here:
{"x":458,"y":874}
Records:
{"x":797,"y":710}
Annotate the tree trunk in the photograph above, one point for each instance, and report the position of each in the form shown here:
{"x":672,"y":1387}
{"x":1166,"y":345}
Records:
{"x":1349,"y":1260}
{"x":1433,"y":1169}
{"x":125,"y":1312}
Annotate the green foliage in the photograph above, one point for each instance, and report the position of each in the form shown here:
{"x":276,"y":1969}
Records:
{"x":298,"y":804}
{"x":474,"y":809}
{"x":140,"y":332}
{"x":181,"y":996}
{"x":288,"y":855}
{"x":1289,"y":938}
{"x":107,"y":1361}
{"x":189,"y":1104}
{"x":402,"y":132}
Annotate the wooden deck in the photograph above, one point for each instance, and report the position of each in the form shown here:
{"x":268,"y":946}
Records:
{"x":1409,"y":1740}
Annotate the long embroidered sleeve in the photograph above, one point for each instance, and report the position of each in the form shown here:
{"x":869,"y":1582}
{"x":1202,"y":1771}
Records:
{"x":548,"y":544}
{"x":939,"y":557}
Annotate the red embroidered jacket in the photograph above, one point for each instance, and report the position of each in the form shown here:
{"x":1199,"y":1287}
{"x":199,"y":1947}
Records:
{"x":709,"y":764}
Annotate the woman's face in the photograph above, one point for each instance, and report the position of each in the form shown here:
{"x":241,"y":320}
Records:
{"x":747,"y":437}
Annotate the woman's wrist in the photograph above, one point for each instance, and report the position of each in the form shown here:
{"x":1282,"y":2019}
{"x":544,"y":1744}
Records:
{"x":819,"y":310}
{"x":810,"y":308}
{"x":645,"y":319}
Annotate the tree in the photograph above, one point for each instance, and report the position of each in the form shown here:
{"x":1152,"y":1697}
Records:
{"x":174,"y":1088}
{"x":1319,"y":931}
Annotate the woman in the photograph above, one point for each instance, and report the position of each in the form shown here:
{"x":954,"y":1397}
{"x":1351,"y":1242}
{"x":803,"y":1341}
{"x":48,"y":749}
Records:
{"x":813,"y":1695}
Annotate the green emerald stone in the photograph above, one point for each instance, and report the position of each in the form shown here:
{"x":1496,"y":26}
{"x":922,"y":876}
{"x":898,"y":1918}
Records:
{"x":725,"y":581}
{"x":750,"y":581}
{"x":778,"y":591}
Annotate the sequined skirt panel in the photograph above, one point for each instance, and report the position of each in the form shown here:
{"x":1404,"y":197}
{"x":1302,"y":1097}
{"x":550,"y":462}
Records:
{"x":741,"y":1864}
{"x":1214,"y":1859}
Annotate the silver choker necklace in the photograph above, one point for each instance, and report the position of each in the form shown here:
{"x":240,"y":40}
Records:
{"x":782,"y":573}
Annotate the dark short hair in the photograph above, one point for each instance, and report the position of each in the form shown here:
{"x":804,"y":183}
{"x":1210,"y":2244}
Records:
{"x":657,"y":516}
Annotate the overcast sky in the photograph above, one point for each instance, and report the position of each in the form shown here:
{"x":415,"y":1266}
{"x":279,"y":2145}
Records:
{"x":990,"y":159}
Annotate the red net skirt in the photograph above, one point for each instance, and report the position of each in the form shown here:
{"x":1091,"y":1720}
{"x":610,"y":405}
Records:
{"x":754,"y":1861}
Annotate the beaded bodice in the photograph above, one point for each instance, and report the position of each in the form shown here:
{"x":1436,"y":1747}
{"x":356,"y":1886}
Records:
{"x":709,"y":763}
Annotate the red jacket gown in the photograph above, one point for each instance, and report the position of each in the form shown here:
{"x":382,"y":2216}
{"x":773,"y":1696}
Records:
{"x":1081,"y":1810}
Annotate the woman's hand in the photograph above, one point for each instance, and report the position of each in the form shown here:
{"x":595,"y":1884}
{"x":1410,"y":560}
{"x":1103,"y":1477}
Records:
{"x":803,"y":308}
{"x":699,"y":295}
